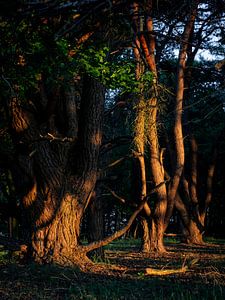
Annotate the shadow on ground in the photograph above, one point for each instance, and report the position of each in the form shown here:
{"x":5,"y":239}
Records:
{"x":205,"y":278}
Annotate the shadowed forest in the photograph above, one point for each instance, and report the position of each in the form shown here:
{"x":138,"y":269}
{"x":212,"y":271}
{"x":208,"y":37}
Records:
{"x":112,"y":130}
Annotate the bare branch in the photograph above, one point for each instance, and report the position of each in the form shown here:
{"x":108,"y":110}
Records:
{"x":116,"y":142}
{"x":119,"y":233}
{"x":115,"y":195}
{"x":50,"y":137}
{"x":116,"y":162}
{"x":118,"y":104}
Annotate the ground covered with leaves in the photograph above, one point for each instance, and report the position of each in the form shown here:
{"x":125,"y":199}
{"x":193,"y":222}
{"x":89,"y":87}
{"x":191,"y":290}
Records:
{"x":203,"y":275}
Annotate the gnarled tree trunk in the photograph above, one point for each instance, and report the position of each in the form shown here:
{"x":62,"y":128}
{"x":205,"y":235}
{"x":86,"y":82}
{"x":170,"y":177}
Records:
{"x":61,"y":167}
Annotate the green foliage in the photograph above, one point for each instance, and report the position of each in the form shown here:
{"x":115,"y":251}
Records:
{"x":114,"y":74}
{"x":29,"y":51}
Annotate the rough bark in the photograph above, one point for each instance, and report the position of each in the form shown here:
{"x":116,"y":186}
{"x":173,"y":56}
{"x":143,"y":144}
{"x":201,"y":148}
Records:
{"x":59,"y":191}
{"x":139,"y":124}
{"x":156,"y":164}
{"x":139,"y":135}
{"x":145,"y":245}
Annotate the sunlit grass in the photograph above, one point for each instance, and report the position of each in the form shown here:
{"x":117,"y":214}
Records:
{"x":122,"y":244}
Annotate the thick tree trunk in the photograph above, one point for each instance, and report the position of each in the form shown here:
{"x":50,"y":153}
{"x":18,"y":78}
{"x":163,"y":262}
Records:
{"x":139,"y":129}
{"x":55,"y":233}
{"x":59,"y":183}
{"x":157,"y":234}
{"x":148,"y":115}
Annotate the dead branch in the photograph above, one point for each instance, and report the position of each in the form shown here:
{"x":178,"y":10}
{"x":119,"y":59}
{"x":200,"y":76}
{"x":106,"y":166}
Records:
{"x":116,"y":142}
{"x":117,"y":234}
{"x":118,"y":104}
{"x":157,"y":272}
{"x":114,"y":194}
{"x":116,"y":162}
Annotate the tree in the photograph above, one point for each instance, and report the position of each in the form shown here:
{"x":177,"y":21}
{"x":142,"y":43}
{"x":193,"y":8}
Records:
{"x":55,"y":122}
{"x":54,"y":80}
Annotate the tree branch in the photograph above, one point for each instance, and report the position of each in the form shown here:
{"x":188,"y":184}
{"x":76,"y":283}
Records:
{"x":119,"y":233}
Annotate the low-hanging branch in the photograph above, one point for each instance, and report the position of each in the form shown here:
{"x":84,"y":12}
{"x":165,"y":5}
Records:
{"x":114,"y":194}
{"x":118,"y":104}
{"x":116,"y":142}
{"x":119,"y":233}
{"x":116,"y":162}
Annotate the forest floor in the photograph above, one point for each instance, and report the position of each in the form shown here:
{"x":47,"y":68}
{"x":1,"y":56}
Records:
{"x":196,"y":272}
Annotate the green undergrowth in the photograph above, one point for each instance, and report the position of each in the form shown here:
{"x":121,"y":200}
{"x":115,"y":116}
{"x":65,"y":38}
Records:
{"x":212,"y":240}
{"x":124,"y":244}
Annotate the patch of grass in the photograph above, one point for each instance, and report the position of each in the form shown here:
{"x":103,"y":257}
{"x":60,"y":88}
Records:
{"x":4,"y":256}
{"x":212,"y":240}
{"x":124,"y":244}
{"x":129,"y":243}
{"x":171,"y":240}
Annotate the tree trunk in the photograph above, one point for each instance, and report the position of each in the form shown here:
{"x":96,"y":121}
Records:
{"x":177,"y":129}
{"x":55,"y":234}
{"x":156,"y":163}
{"x":192,"y":231}
{"x":145,"y":243}
{"x":139,"y":129}
{"x":139,"y":140}
{"x":96,"y":222}
{"x":156,"y":236}
{"x":61,"y":172}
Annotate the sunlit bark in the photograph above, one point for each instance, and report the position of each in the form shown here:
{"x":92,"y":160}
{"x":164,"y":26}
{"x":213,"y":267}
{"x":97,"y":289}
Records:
{"x":59,"y":191}
{"x":177,"y":128}
{"x":157,"y":226}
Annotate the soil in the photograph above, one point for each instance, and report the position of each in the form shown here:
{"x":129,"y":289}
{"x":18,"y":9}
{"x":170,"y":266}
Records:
{"x":123,"y":276}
